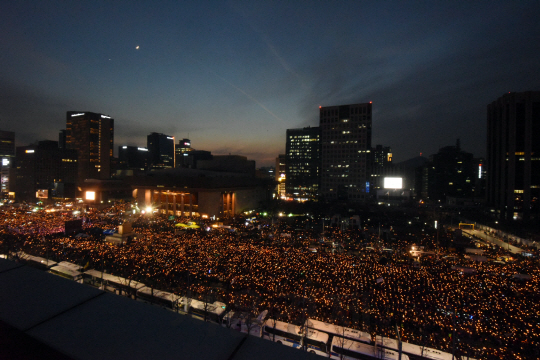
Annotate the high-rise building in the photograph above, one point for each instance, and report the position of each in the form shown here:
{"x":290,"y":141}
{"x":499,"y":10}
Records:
{"x":303,"y":162}
{"x":7,"y":153}
{"x":280,"y":175}
{"x":92,"y":135}
{"x":345,"y":151}
{"x":513,"y":155}
{"x":450,"y":173}
{"x":381,"y":162}
{"x":182,"y":150}
{"x":161,"y":148}
{"x":45,"y":171}
{"x":133,"y":158}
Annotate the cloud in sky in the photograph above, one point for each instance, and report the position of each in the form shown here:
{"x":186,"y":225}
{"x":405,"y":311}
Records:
{"x":233,"y":76}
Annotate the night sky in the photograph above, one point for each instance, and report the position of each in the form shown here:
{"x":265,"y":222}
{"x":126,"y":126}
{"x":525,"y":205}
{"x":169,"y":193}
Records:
{"x":234,"y":75}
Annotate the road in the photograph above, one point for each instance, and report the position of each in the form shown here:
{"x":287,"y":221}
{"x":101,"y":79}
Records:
{"x":494,"y":240}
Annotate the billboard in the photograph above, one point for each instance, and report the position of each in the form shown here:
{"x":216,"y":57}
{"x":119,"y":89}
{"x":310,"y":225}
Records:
{"x":393,"y":183}
{"x":42,"y":194}
{"x":90,"y":195}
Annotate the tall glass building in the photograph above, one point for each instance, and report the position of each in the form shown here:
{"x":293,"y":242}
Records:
{"x":303,"y":162}
{"x":92,"y":135}
{"x":161,"y":149}
{"x":345,"y":152}
{"x":513,"y":155}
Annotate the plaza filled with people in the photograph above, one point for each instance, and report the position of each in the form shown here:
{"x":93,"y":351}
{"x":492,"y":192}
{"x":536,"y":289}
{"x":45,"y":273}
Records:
{"x":367,"y":282}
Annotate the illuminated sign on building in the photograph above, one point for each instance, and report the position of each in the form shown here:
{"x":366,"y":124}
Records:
{"x":90,"y":195}
{"x":142,"y":149}
{"x":105,"y":117}
{"x":29,"y":151}
{"x":393,"y":183}
{"x":42,"y":194}
{"x":78,"y":114}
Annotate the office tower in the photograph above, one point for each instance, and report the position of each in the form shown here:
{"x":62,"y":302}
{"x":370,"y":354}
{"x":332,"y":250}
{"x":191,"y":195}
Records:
{"x":7,"y":153}
{"x":302,"y":150}
{"x":182,"y":150}
{"x":280,"y":175}
{"x":161,"y":148}
{"x":450,"y":173}
{"x":345,"y":152}
{"x":92,"y":135}
{"x":133,"y":158}
{"x":513,"y":155}
{"x":381,"y":162}
{"x":45,"y":171}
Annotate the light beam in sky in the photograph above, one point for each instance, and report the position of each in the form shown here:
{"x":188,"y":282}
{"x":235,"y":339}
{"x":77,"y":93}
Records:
{"x":248,"y":96}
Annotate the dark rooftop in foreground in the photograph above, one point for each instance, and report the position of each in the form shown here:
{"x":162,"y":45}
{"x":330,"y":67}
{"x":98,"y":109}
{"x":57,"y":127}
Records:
{"x":48,"y":317}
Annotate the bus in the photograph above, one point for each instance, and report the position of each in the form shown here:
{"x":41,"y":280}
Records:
{"x":203,"y":310}
{"x":340,"y":331}
{"x":71,"y":266}
{"x":415,"y":352}
{"x":36,"y":261}
{"x":162,"y":298}
{"x":67,"y":273}
{"x":293,"y":335}
{"x":112,"y":283}
{"x":244,"y":322}
{"x":345,"y":349}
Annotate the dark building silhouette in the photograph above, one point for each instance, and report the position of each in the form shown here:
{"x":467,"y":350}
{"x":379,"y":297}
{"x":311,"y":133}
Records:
{"x":62,"y":139}
{"x":182,"y":150}
{"x":381,"y":165}
{"x":45,"y":171}
{"x":7,"y":153}
{"x":193,"y":157}
{"x":303,"y":163}
{"x":92,"y":135}
{"x":513,"y":155}
{"x":411,"y":171}
{"x":228,"y":163}
{"x":345,"y":152}
{"x":134,"y":158}
{"x":281,"y":175}
{"x":161,"y":148}
{"x":449,"y":173}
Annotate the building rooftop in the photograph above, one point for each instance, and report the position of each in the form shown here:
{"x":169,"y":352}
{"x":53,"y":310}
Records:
{"x":46,"y":316}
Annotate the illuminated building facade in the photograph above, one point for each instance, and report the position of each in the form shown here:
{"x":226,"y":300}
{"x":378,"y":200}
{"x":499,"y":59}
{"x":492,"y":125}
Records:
{"x":161,"y":148}
{"x":513,"y":155}
{"x":92,"y":135}
{"x":184,"y":192}
{"x":303,"y":162}
{"x":7,"y":153}
{"x":345,"y":152}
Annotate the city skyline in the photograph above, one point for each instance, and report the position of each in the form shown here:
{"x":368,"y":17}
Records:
{"x":234,"y":76}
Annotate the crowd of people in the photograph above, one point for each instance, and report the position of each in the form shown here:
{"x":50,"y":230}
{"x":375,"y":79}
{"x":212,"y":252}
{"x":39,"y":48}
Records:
{"x":487,"y":313}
